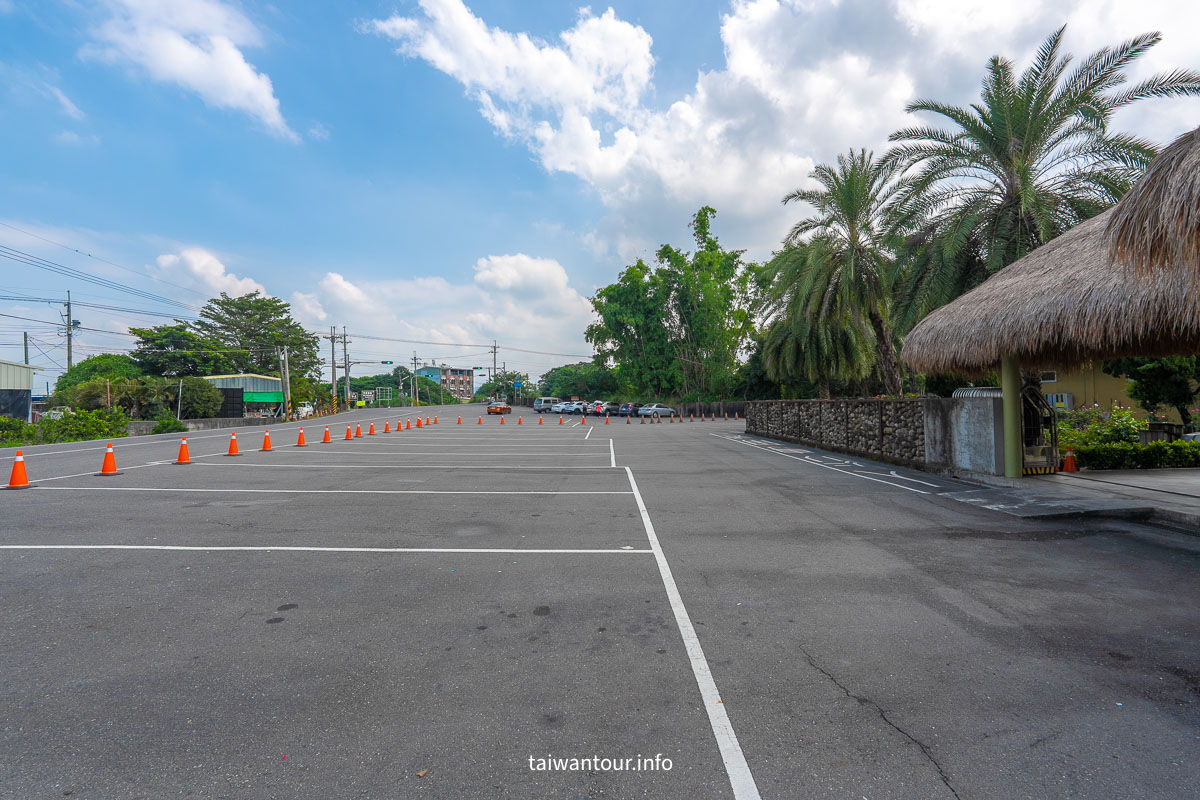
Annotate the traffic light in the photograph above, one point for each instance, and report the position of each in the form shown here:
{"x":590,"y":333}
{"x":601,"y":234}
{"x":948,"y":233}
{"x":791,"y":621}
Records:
{"x":385,"y":362}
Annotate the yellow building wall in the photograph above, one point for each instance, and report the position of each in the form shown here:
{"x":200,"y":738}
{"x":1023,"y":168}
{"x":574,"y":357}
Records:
{"x":1092,"y":386}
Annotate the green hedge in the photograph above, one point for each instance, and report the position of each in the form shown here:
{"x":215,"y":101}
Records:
{"x":1126,"y":455}
{"x":80,"y":426}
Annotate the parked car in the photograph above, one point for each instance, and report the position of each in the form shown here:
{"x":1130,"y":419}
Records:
{"x":656,"y":409}
{"x":304,"y":411}
{"x":628,"y":409}
{"x":499,"y":408}
{"x":577,"y":407}
{"x":58,"y":412}
{"x":543,"y":404}
{"x":562,"y":407}
{"x":603,"y":408}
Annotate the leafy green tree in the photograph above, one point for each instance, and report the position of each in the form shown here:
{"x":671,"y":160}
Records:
{"x":111,"y":366}
{"x":846,"y":271}
{"x":1035,"y":156}
{"x":583,"y":379}
{"x":201,"y":400}
{"x":678,"y":329}
{"x":173,"y":351}
{"x":257,"y":324}
{"x":1158,"y":382}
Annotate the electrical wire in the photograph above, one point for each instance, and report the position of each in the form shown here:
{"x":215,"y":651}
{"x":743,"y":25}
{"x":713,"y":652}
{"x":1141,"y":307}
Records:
{"x":21,"y":257}
{"x":102,"y":260}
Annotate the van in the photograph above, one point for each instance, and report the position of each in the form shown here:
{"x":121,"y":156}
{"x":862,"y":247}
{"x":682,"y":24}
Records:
{"x":542,"y":404}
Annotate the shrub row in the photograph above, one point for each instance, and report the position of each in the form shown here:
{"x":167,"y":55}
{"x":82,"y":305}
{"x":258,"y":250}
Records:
{"x":1127,"y":455}
{"x":77,"y":427}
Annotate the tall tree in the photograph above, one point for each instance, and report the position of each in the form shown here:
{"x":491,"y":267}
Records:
{"x":105,"y":365}
{"x":173,"y":351}
{"x":257,"y":324}
{"x":1032,"y":158}
{"x":846,"y":266}
{"x":1158,"y":382}
{"x":680,"y":328}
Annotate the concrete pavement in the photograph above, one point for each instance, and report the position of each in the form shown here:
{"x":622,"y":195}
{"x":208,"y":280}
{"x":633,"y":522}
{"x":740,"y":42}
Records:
{"x":422,"y":613}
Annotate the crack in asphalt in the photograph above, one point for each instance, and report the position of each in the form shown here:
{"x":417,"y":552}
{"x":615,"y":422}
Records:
{"x":883,"y":715}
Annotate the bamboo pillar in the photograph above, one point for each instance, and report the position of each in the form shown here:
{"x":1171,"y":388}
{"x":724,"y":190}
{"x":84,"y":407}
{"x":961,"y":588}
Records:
{"x":1014,"y":446}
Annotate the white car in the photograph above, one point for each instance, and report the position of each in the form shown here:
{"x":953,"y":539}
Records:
{"x":304,"y":411}
{"x":562,"y":407}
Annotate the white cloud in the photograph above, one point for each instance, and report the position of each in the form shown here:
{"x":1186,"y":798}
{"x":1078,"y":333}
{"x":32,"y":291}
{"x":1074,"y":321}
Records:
{"x":309,"y":306}
{"x":73,"y":139}
{"x":803,"y":80}
{"x":201,"y":269}
{"x":318,"y":132}
{"x":195,"y":44}
{"x":520,"y":300}
{"x":69,"y":108}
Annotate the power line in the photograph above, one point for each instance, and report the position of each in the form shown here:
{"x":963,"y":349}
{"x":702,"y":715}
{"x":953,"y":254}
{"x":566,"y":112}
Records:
{"x":22,"y":257}
{"x":102,"y":260}
{"x":100,"y":306}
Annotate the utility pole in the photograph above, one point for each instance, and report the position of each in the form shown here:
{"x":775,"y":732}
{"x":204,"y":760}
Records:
{"x":493,"y":360}
{"x":333,"y":365}
{"x":413,"y":381}
{"x":70,"y":329}
{"x":25,"y":336}
{"x":346,"y":359}
{"x":285,"y":374}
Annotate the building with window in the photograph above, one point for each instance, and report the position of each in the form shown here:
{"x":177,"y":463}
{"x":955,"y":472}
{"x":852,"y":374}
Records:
{"x":458,"y":382}
{"x":16,"y":390}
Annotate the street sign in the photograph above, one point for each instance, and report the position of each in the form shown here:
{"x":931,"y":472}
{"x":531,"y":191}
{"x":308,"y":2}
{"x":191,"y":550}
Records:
{"x":517,"y":384}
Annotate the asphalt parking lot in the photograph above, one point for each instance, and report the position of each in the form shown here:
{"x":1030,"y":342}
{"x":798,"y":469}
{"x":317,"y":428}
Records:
{"x":440,"y":612}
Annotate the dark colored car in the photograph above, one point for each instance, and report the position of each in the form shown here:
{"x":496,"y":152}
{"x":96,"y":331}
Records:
{"x":626,"y":409}
{"x":609,"y":408}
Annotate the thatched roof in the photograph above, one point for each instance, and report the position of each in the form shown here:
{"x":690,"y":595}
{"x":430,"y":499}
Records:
{"x":1157,"y":224}
{"x":1062,"y":305}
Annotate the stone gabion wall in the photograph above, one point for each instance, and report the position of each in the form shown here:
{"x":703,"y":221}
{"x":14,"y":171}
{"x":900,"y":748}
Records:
{"x":890,"y":429}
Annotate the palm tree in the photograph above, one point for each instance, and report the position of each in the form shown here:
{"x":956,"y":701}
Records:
{"x":847,"y":264}
{"x":803,"y":339}
{"x":1032,"y":158}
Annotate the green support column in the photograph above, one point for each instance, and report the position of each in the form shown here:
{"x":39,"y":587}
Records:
{"x":1014,"y":447}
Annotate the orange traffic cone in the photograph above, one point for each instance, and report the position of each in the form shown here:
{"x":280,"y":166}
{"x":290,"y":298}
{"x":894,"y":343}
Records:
{"x":1069,"y":461}
{"x":583,"y":420}
{"x":501,"y":419}
{"x":671,"y":420}
{"x":560,"y":419}
{"x":606,"y":419}
{"x":735,"y":415}
{"x":349,"y":433}
{"x":435,"y":419}
{"x":460,"y":419}
{"x":418,"y":422}
{"x":518,"y":420}
{"x":628,"y":421}
{"x":409,"y":425}
{"x":426,"y":419}
{"x":326,"y":440}
{"x":357,"y":430}
{"x":183,"y":453}
{"x":266,"y":440}
{"x":233,"y":450}
{"x":643,"y":416}
{"x":109,"y":466}
{"x":18,"y":480}
{"x":540,"y":419}
{"x":387,"y":427}
{"x":371,"y":430}
{"x":481,"y":420}
{"x":300,"y":442}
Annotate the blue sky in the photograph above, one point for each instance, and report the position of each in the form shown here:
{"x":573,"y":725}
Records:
{"x":458,"y":172}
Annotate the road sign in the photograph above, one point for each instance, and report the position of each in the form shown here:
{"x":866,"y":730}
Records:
{"x":517,"y":384}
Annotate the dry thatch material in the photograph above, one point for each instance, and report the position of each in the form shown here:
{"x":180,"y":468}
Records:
{"x":1157,"y":224}
{"x":1062,"y":305}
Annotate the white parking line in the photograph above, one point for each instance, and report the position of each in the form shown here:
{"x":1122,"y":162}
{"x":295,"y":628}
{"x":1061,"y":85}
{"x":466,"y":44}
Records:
{"x":612,"y":454}
{"x":301,"y":491}
{"x":815,"y":463}
{"x":258,"y":465}
{"x":588,"y":434}
{"x":740,"y":778}
{"x":302,"y":549}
